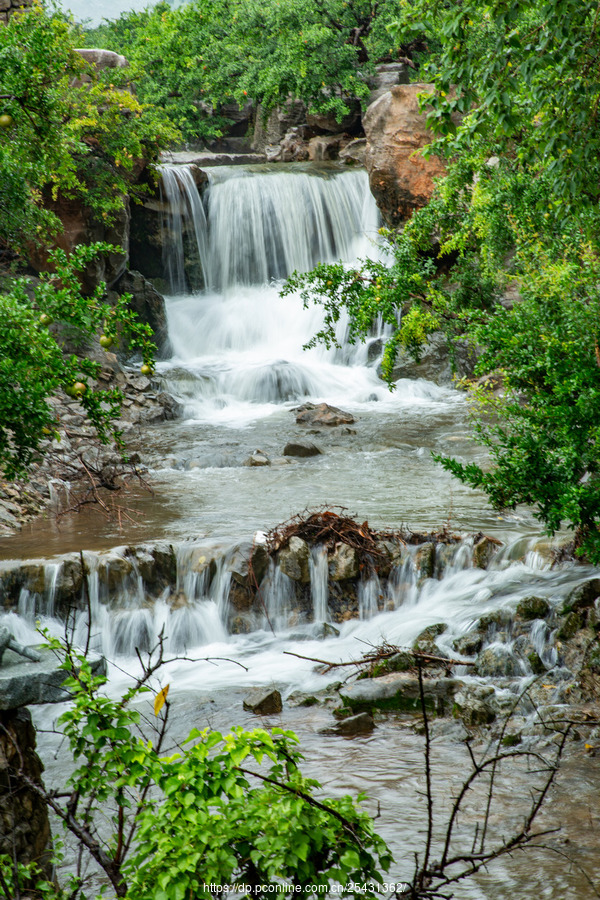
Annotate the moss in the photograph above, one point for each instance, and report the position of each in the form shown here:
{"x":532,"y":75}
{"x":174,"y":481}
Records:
{"x":570,"y":626}
{"x":511,"y":740}
{"x":397,"y":703}
{"x":537,"y":666}
{"x":533,"y":608}
{"x":309,"y":701}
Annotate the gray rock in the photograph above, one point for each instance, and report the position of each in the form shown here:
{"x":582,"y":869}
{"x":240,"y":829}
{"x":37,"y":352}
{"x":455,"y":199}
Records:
{"x":484,"y":551}
{"x":301,"y":450}
{"x":425,"y":642}
{"x":398,"y":691}
{"x":495,"y":662}
{"x":469,"y":644}
{"x":294,"y":560}
{"x":264,"y":704}
{"x":23,"y":683}
{"x":425,"y":561}
{"x":362,"y":723}
{"x":258,"y":458}
{"x":343,"y":563}
{"x":474,"y":705}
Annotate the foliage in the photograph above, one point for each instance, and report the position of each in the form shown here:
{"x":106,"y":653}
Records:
{"x":35,"y":361}
{"x":203,"y":55}
{"x":182,"y":822}
{"x":517,"y":209}
{"x":525,"y":77}
{"x":68,"y":128}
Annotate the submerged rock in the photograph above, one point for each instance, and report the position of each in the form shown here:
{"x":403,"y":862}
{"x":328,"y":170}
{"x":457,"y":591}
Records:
{"x":301,"y":450}
{"x":362,"y":723}
{"x":258,"y":458}
{"x":398,"y":691}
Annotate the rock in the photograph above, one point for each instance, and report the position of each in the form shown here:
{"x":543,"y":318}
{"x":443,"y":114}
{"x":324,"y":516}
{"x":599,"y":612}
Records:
{"x":265,"y":704}
{"x":362,"y":723}
{"x":425,"y":561}
{"x":434,"y":362}
{"x":399,"y":662}
{"x":531,"y":608}
{"x":395,"y":128}
{"x":534,"y":660}
{"x":79,"y":226}
{"x":148,"y":304}
{"x":102,"y":59}
{"x":495,"y":662}
{"x":23,"y":682}
{"x":469,"y":644}
{"x":343,"y":563}
{"x":301,"y":450}
{"x":324,"y":630}
{"x":293,"y":560}
{"x":268,"y":134}
{"x":323,"y":147}
{"x":258,"y":458}
{"x":569,"y":626}
{"x":238,"y":563}
{"x":473,"y":705}
{"x":387,"y":76}
{"x":425,"y":642}
{"x":484,"y":550}
{"x":323,"y":414}
{"x":329,"y":122}
{"x":398,"y":691}
{"x":494,"y":622}
{"x":582,"y":597}
{"x":24,"y":825}
{"x":353,"y":154}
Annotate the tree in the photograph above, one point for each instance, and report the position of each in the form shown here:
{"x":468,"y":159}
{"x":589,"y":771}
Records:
{"x":59,"y":135}
{"x":35,"y":361}
{"x":223,"y":810}
{"x":205,"y":53}
{"x":518,"y":205}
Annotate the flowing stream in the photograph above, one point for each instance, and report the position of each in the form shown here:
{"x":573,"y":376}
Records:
{"x":239,"y":368}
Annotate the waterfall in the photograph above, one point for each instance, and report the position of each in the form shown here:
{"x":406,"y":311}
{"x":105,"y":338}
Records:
{"x":255,"y":224}
{"x":184,"y":216}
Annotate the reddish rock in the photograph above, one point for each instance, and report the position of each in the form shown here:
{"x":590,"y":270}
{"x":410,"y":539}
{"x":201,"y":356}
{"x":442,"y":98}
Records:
{"x":401,"y":180}
{"x":323,"y":414}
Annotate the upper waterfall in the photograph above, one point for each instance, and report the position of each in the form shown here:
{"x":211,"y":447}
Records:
{"x":255,"y":224}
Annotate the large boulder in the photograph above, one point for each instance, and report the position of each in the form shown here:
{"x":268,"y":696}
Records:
{"x":270,"y":131}
{"x":401,"y":179}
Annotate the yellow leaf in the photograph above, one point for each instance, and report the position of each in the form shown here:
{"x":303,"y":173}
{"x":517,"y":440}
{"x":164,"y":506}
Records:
{"x":159,"y":700}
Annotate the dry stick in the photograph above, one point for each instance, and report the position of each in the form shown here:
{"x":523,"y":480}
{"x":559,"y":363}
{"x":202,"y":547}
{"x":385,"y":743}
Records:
{"x":376,"y":657}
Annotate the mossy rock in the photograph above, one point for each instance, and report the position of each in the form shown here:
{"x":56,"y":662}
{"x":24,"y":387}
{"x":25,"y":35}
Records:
{"x":469,"y":644}
{"x":511,"y":740}
{"x":498,"y":619}
{"x":582,"y":597}
{"x":399,"y":662}
{"x":531,"y":608}
{"x":534,"y":660}
{"x":425,"y":642}
{"x":570,"y":626}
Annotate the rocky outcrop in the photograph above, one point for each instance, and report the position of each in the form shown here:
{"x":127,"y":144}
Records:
{"x":149,"y":306}
{"x":81,"y":226}
{"x":401,"y":179}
